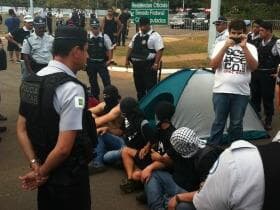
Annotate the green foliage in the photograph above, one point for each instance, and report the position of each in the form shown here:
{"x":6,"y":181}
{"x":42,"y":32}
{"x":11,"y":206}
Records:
{"x":248,"y":9}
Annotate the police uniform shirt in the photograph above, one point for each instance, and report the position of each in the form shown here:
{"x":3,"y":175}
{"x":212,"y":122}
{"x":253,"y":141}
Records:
{"x":219,"y":38}
{"x":40,"y":49}
{"x":69,"y":98}
{"x":276,"y":48}
{"x":236,"y":180}
{"x":155,"y":42}
{"x":107,"y":40}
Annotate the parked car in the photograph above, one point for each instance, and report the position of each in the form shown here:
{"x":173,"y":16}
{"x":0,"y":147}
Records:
{"x":180,"y":20}
{"x":200,"y":21}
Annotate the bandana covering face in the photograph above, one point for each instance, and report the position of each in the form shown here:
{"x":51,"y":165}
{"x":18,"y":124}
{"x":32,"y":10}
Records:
{"x":186,"y":143}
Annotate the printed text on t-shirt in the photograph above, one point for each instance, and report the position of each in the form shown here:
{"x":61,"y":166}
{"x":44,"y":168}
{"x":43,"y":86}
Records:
{"x":235,"y":62}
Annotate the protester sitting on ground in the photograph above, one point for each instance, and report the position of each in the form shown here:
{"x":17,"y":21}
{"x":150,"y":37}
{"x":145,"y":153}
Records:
{"x":192,"y":160}
{"x":138,"y":137}
{"x":110,"y":139}
{"x":164,"y":129}
{"x":244,"y":177}
{"x":163,"y":114}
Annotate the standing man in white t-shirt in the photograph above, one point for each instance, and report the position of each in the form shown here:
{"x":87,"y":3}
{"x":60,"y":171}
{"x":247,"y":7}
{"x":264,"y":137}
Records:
{"x":233,"y":61}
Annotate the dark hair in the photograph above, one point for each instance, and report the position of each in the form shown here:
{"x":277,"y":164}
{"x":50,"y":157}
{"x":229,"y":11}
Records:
{"x":266,"y":25}
{"x":237,"y":25}
{"x":68,"y":37}
{"x":11,"y":12}
{"x":257,"y":21}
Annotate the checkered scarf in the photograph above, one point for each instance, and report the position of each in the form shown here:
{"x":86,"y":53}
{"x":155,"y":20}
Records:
{"x":186,"y":142}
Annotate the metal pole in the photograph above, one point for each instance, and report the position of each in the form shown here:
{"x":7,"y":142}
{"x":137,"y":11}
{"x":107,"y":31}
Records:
{"x":183,"y":5}
{"x":214,"y":14}
{"x":31,"y":7}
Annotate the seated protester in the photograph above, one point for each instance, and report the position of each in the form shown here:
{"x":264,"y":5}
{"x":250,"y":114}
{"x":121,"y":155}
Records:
{"x":192,"y":160}
{"x":163,"y":114}
{"x":137,"y":134}
{"x":110,"y":139}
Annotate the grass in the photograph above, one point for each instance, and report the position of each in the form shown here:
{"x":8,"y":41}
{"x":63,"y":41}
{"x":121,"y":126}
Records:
{"x":185,"y":45}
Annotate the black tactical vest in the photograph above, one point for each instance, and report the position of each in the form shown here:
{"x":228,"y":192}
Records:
{"x":266,"y":59}
{"x":270,"y":155}
{"x":42,"y":124}
{"x":97,"y":49}
{"x":140,"y":50}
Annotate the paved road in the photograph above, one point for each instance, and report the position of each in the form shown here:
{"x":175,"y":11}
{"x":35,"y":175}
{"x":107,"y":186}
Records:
{"x":104,"y":187}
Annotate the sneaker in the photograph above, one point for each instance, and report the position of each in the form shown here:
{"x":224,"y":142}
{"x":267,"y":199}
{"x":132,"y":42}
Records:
{"x":18,"y":61}
{"x":113,"y":63}
{"x":96,"y":169}
{"x":141,"y":197}
{"x":129,"y":185}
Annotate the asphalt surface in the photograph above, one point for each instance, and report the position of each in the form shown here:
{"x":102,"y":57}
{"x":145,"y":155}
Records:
{"x":106,"y":194}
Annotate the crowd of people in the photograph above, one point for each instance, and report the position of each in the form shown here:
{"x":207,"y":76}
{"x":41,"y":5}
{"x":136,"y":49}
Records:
{"x":65,"y":140}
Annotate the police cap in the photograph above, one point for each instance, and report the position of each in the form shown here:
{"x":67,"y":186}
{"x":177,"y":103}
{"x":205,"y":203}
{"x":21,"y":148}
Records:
{"x":39,"y":22}
{"x":94,"y":23}
{"x":143,"y":21}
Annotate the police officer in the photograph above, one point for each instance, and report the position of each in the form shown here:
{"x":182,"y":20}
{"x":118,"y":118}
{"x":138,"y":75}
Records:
{"x":242,"y":163}
{"x":263,"y":79}
{"x":36,"y":48}
{"x":54,"y":127}
{"x":100,"y":54}
{"x":145,"y":52}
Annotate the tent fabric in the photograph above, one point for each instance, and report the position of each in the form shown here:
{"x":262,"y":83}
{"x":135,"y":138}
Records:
{"x":191,"y":92}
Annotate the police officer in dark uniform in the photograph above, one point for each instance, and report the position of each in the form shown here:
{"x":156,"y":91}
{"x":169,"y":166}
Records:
{"x":55,"y":129}
{"x":145,"y":52}
{"x":264,"y":78}
{"x":100,"y":55}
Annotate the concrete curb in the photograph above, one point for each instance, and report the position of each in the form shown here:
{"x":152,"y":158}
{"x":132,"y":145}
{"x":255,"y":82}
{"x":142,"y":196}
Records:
{"x":123,"y":69}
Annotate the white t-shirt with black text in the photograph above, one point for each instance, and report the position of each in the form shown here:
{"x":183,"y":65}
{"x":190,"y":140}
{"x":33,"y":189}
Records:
{"x":233,"y":75}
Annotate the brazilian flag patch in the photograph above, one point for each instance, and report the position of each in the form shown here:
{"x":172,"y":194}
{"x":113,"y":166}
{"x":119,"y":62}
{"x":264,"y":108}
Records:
{"x":79,"y":102}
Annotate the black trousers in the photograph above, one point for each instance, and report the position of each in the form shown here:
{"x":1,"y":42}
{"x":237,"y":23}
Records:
{"x":262,"y":91}
{"x":74,"y":197}
{"x":122,"y":36}
{"x":92,"y":69}
{"x":144,"y":77}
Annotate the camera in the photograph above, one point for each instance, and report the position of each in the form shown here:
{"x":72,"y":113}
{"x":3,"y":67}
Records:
{"x":237,"y":40}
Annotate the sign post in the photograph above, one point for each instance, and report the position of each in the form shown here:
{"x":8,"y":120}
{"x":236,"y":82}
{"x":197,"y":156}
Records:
{"x":157,"y":12}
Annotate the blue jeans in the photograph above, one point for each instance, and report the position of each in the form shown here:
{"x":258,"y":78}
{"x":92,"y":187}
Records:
{"x":108,"y":149}
{"x":225,"y":105}
{"x":160,"y":188}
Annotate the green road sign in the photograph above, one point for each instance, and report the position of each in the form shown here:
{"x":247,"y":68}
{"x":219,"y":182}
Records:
{"x":156,"y":11}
